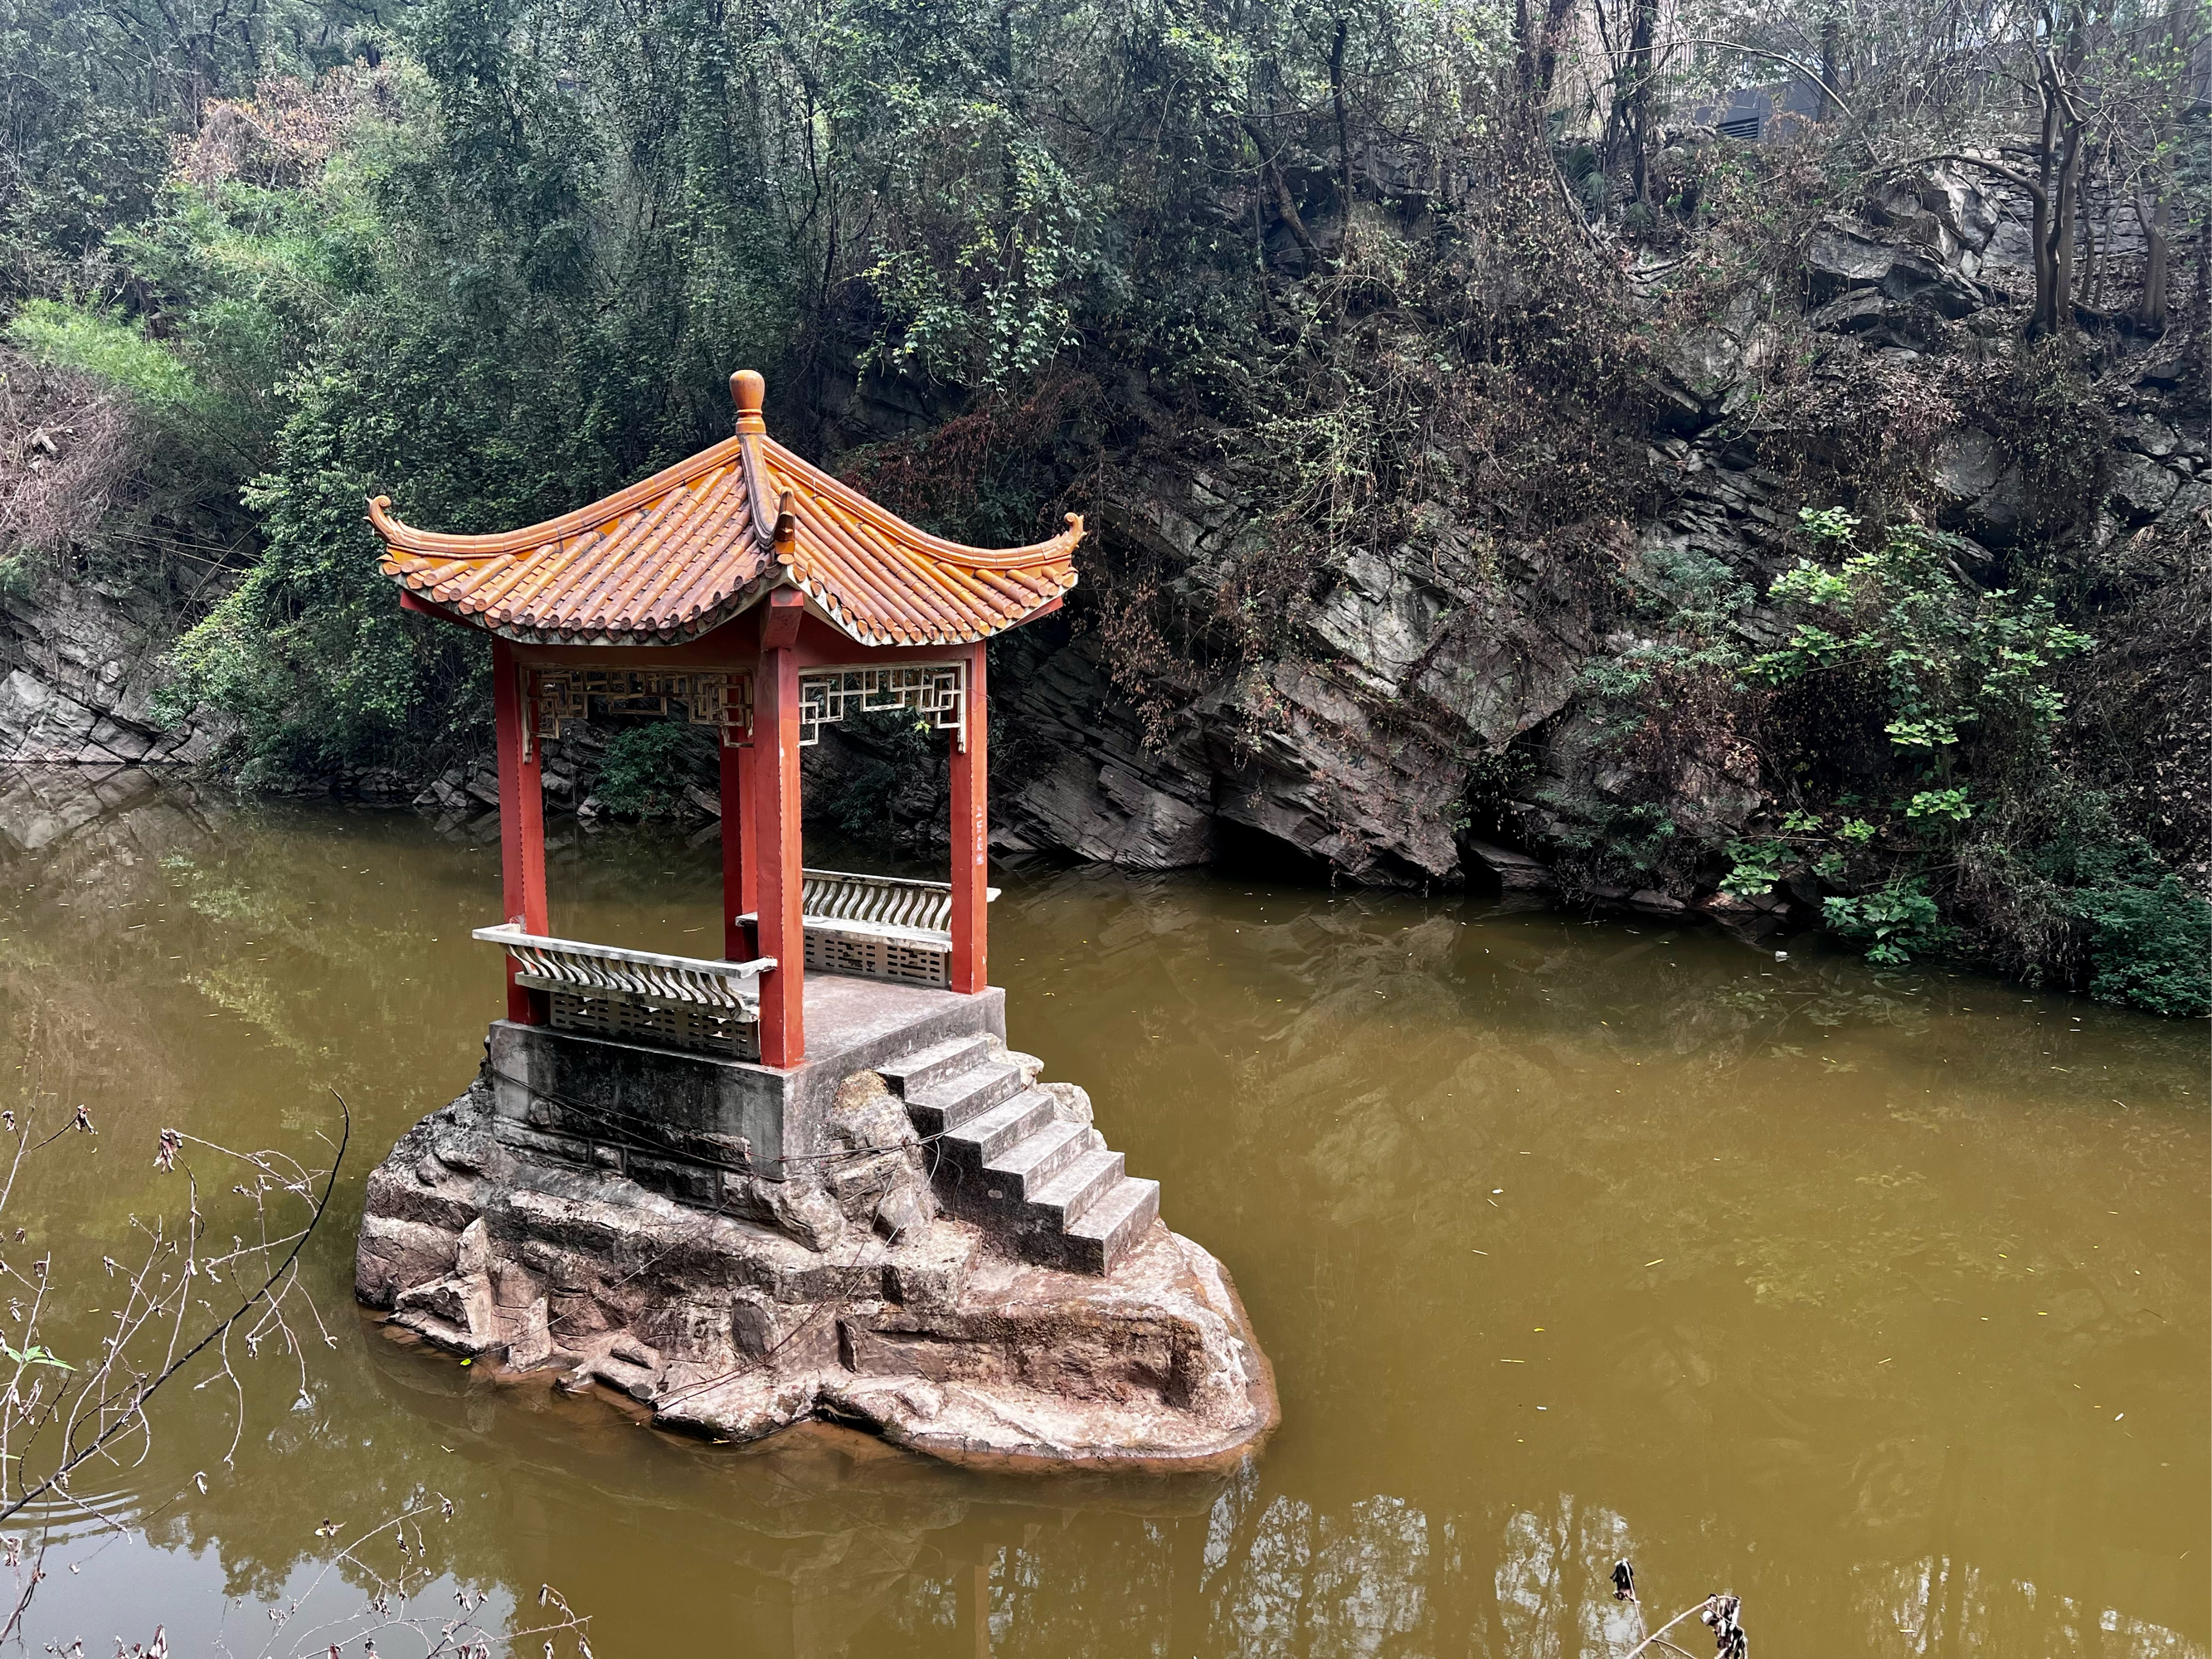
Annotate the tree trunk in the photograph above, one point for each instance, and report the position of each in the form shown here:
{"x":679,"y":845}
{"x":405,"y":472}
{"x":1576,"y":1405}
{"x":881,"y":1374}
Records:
{"x":1286,"y":207}
{"x":2158,"y":252}
{"x":1831,"y":30}
{"x":1343,"y":136}
{"x":1556,"y":13}
{"x":2061,"y":142}
{"x":2043,"y":319}
{"x":1646,"y":25}
{"x":2155,"y":303}
{"x":2067,"y":211}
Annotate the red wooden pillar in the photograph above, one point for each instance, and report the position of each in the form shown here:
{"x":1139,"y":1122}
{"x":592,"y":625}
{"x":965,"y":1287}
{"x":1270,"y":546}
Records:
{"x":740,"y":864}
{"x":776,"y":847}
{"x":521,"y":822}
{"x":971,"y":836}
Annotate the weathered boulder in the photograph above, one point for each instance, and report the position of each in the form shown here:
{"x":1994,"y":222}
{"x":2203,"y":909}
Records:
{"x":723,"y":1327}
{"x":1982,"y":487}
{"x":1877,"y":319}
{"x":1845,"y":255}
{"x":1514,"y":872}
{"x":1945,"y":211}
{"x":2139,"y":488}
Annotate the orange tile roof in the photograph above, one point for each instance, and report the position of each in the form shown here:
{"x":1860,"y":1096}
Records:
{"x":689,"y":548}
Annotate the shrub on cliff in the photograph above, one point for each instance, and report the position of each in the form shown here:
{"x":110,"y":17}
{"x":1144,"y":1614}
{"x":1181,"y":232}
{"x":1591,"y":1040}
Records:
{"x":1930,"y":804}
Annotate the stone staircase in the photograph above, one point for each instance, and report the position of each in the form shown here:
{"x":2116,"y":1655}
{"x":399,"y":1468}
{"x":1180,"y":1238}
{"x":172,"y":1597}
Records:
{"x":1003,"y":1157}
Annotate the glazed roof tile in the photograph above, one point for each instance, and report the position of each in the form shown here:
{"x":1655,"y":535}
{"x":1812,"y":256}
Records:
{"x":683,"y":552}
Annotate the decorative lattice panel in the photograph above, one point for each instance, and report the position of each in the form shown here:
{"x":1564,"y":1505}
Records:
{"x":564,"y":695}
{"x":698,"y":1030}
{"x":936,"y":694}
{"x":876,"y":958}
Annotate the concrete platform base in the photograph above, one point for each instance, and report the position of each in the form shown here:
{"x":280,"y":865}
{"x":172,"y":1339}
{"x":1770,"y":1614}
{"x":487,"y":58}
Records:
{"x":681,"y":1122}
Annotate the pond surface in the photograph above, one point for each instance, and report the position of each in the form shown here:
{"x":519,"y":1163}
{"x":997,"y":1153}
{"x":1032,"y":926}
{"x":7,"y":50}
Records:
{"x":1880,"y":1299}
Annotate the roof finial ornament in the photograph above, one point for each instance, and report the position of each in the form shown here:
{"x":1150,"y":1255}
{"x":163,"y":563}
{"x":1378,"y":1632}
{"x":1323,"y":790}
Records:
{"x":749,"y":391}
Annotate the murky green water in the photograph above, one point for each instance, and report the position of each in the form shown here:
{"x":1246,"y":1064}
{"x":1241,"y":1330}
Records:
{"x":1882,"y":1300}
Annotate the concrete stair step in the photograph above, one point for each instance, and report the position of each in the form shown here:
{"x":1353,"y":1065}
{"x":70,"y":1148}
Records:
{"x":1104,"y":1233}
{"x":985,"y":1137}
{"x":948,"y":1101}
{"x":925,"y":1067}
{"x":1030,"y":1162}
{"x":1077,"y":1186}
{"x":1002,"y":1157}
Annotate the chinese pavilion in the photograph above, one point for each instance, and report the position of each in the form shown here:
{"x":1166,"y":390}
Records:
{"x":768,"y":600}
{"x":755,"y":595}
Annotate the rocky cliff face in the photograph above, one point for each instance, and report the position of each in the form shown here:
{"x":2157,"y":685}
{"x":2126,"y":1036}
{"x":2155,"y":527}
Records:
{"x":1426,"y":712}
{"x":80,"y":664}
{"x":1428,"y":716}
{"x":85,"y":618}
{"x":1357,"y":747}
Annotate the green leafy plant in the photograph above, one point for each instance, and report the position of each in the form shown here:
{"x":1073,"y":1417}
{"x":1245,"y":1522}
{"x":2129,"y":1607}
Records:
{"x":1939,"y":653}
{"x":1950,"y":682}
{"x":1950,"y":804}
{"x":1894,"y":922}
{"x":36,"y":1355}
{"x":1754,"y":866}
{"x":2149,"y":937}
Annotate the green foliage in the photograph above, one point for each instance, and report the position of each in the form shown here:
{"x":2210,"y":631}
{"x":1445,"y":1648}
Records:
{"x":1949,"y":805}
{"x":1985,"y":844}
{"x":1699,"y":598}
{"x":1939,"y":653}
{"x":104,"y":346}
{"x":1894,"y":922}
{"x":645,"y":768}
{"x":34,"y":1355}
{"x":1754,"y":866}
{"x":996,"y":302}
{"x":2148,"y":938}
{"x":2151,"y":942}
{"x":888,"y":750}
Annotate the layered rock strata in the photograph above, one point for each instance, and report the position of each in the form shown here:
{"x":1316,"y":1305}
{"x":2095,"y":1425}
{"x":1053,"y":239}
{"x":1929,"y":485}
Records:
{"x":879,"y":1311}
{"x":80,"y":665}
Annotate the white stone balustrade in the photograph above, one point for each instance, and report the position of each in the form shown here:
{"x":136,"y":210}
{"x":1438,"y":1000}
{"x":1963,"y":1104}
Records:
{"x":877,"y":927}
{"x":684,"y":1002}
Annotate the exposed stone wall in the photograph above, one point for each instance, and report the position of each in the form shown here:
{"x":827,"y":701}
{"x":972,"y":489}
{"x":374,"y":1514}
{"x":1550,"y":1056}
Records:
{"x":80,"y":664}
